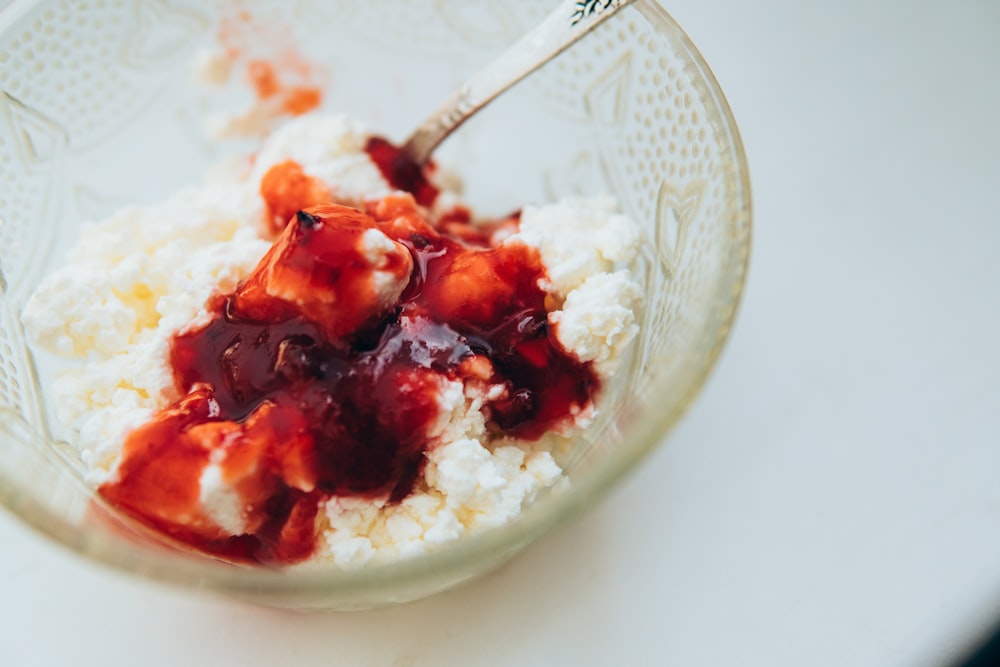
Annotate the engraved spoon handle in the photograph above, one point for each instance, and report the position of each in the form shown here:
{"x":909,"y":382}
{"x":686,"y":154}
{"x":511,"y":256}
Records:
{"x":567,"y":23}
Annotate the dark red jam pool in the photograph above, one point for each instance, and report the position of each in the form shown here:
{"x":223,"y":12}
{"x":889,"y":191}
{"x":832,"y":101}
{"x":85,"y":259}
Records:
{"x":308,"y":382}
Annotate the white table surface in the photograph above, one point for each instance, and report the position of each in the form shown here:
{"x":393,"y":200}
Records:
{"x":834,"y":496}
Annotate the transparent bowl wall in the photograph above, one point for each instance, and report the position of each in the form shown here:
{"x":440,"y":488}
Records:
{"x":97,"y":109}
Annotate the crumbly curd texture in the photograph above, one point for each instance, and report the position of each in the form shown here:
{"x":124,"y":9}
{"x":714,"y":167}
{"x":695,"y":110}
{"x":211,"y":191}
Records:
{"x":146,"y":273}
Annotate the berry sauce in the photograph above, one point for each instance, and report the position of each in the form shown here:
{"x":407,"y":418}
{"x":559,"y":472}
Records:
{"x":320,"y":376}
{"x":286,"y":188}
{"x":400,"y":171}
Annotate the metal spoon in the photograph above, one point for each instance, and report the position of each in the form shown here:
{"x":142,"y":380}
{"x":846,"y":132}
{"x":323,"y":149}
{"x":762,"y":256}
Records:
{"x":566,"y":24}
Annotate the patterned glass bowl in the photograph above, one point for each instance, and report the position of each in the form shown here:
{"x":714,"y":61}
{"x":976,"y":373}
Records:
{"x":97,"y":109}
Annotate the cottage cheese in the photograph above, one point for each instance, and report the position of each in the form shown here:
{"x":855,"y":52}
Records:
{"x":146,"y":273}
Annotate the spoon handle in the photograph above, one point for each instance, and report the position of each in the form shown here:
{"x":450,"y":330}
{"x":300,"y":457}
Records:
{"x":566,"y":24}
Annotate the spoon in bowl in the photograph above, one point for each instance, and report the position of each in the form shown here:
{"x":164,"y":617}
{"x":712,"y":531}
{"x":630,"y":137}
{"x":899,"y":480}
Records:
{"x":566,"y":24}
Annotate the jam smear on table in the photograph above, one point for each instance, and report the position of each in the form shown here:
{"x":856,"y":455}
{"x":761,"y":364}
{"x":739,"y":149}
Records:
{"x":321,"y":376}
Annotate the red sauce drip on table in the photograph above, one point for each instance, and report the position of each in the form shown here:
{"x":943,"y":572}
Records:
{"x":294,"y":400}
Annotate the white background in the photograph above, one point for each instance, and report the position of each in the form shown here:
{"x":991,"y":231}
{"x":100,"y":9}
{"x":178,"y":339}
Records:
{"x":834,"y":496}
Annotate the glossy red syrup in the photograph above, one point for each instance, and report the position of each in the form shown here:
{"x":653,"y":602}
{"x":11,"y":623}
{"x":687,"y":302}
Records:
{"x":400,"y":171}
{"x":307,"y":384}
{"x":287,"y":188}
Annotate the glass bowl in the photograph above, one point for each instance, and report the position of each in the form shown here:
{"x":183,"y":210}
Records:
{"x":98,"y":109}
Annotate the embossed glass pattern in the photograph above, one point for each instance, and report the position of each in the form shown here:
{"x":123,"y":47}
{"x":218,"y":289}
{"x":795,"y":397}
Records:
{"x":97,"y":109}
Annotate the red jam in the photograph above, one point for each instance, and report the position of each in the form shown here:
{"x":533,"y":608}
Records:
{"x":295,"y":99}
{"x":281,"y":76}
{"x":400,"y":171}
{"x":287,"y":188}
{"x":298,"y":100}
{"x":263,"y":78}
{"x":308,"y":383}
